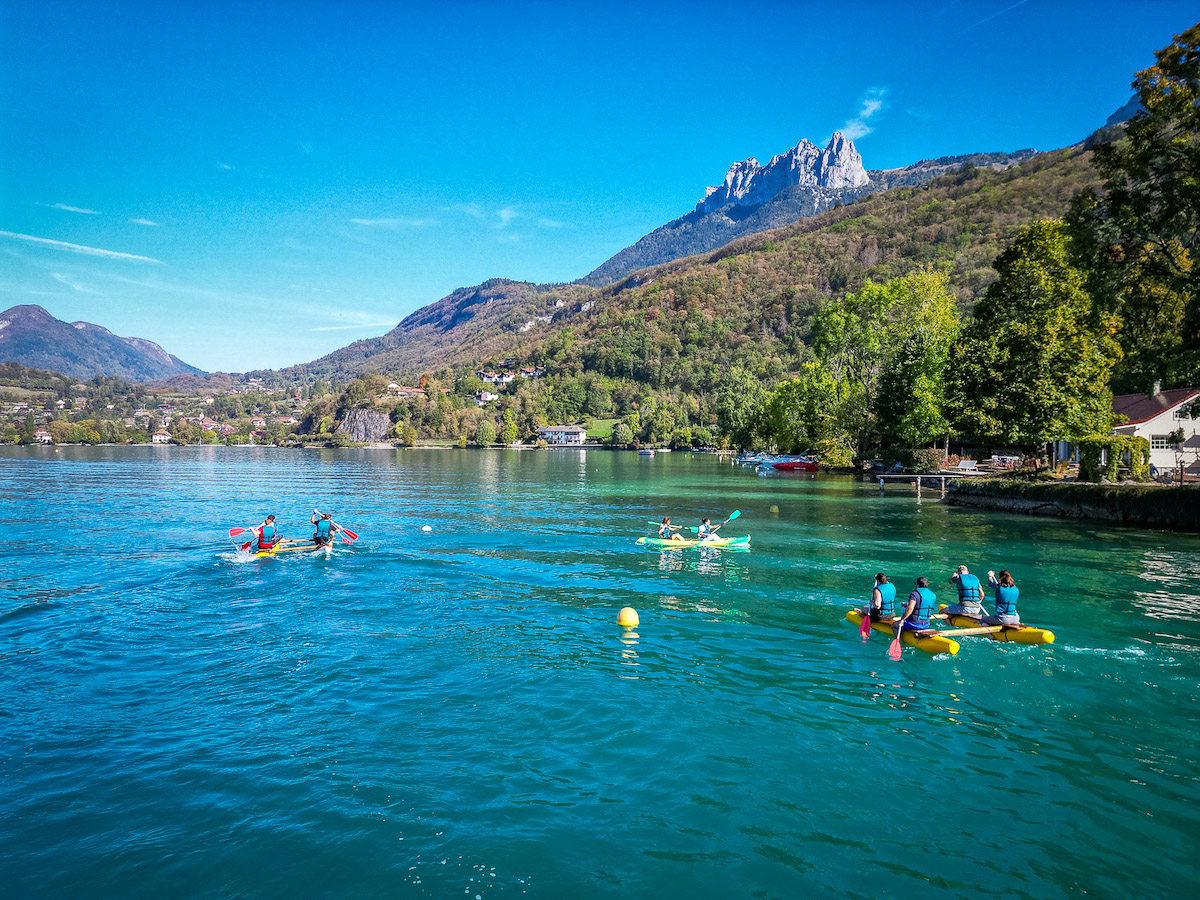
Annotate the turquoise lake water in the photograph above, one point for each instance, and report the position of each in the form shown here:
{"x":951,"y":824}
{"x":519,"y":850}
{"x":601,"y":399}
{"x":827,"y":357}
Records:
{"x":454,"y":713}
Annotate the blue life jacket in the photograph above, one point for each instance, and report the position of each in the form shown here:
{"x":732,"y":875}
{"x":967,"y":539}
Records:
{"x":323,"y":528}
{"x":704,"y":531}
{"x":926,"y":605}
{"x":968,"y":589}
{"x":664,"y":531}
{"x":887,"y":598}
{"x":1006,"y":600}
{"x":267,"y":536}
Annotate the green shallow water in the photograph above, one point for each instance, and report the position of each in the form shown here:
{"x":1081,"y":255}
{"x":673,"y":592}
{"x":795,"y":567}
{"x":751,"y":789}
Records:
{"x":455,"y":713}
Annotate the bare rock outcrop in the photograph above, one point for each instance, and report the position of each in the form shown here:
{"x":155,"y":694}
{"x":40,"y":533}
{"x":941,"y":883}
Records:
{"x":364,"y":425}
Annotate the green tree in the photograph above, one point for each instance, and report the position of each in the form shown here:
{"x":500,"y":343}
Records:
{"x":622,"y":435}
{"x":1138,"y":239}
{"x":741,"y":408}
{"x":508,"y":431}
{"x":485,"y":434}
{"x":1149,"y":220}
{"x":858,"y":336}
{"x":1033,"y":364}
{"x":410,"y":436}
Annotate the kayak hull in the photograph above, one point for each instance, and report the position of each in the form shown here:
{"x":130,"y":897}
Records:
{"x":1025,"y":635}
{"x":288,"y":548}
{"x":733,"y":543}
{"x":932,"y":644}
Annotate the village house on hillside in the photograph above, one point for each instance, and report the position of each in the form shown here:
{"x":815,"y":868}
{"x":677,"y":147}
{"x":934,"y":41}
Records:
{"x":1159,"y":418}
{"x":562,"y":435}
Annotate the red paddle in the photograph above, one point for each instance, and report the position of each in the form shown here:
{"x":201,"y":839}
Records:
{"x":895,"y":648}
{"x":865,"y":628}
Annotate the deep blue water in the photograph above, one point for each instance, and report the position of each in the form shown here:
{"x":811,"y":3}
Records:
{"x":454,"y":713}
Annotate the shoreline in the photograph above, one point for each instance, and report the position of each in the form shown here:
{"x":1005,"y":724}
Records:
{"x":1169,"y":507}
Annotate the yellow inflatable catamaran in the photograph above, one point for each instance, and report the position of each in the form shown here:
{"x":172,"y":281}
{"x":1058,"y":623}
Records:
{"x":944,"y":640}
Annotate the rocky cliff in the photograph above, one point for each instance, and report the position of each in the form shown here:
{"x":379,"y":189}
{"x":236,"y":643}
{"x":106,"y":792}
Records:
{"x":747,"y":183}
{"x":364,"y":425}
{"x":799,"y":184}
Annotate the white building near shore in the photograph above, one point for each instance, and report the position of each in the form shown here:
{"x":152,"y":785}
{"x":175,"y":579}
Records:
{"x":1159,"y":417}
{"x":562,"y":435}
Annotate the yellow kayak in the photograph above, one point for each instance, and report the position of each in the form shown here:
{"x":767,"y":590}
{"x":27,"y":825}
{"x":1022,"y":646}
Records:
{"x":1026,"y":634}
{"x":929,"y":643}
{"x":298,"y":547}
{"x":733,"y":543}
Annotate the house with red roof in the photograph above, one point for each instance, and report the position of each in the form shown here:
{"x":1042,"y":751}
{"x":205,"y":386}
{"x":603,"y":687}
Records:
{"x":1160,"y":418}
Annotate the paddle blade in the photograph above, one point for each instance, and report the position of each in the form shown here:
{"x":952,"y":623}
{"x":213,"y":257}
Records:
{"x":350,"y":534}
{"x":865,"y":628}
{"x":246,"y":546}
{"x":894,"y":649}
{"x":234,"y":532}
{"x":734,"y":515}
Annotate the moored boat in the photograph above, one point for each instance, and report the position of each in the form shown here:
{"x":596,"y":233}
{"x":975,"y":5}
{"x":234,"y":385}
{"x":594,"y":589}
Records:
{"x":795,"y":465}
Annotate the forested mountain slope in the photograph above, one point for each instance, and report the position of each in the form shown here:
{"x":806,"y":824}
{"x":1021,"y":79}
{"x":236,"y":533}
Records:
{"x":750,"y":302}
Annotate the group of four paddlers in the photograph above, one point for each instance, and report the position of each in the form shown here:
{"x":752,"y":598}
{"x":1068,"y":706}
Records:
{"x":921,"y":605}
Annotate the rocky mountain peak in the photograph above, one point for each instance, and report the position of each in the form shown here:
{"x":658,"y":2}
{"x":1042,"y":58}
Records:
{"x":747,"y":183}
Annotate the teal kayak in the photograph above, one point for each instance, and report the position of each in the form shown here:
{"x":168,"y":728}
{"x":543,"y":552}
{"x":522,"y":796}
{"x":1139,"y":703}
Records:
{"x":733,"y":543}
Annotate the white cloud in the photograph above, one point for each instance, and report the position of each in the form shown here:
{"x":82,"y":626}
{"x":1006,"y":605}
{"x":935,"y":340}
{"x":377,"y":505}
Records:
{"x":506,"y":215}
{"x":79,"y":248}
{"x":399,"y":222}
{"x":144,"y":222}
{"x":71,"y":283}
{"x":551,"y":223}
{"x":872,"y":102}
{"x":226,"y":166}
{"x":306,"y":148}
{"x":74,"y":209}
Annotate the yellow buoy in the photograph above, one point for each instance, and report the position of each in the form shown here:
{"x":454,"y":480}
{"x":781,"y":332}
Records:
{"x":628,"y":617}
{"x":775,"y":510}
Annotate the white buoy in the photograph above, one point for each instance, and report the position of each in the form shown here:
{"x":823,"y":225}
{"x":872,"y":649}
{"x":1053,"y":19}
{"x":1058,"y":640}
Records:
{"x":426,"y":528}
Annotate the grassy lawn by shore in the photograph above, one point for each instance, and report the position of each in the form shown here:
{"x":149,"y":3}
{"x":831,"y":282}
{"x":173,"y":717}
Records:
{"x":601,"y":429}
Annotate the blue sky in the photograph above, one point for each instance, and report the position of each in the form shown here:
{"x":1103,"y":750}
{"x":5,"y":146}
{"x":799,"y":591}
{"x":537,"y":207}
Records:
{"x":255,"y":184}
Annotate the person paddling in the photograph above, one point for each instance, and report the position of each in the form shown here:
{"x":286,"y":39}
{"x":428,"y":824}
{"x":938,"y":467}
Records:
{"x":268,"y":534}
{"x":883,"y":599}
{"x":1006,"y":600}
{"x":970,"y":595}
{"x":921,"y":604}
{"x":325,"y":529}
{"x":667,"y":531}
{"x":707,"y":529}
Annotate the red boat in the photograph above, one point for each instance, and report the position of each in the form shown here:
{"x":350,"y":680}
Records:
{"x":796,"y":465}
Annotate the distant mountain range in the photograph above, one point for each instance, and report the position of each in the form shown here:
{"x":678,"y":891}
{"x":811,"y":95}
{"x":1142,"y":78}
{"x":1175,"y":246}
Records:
{"x":799,"y":184}
{"x":32,"y":337}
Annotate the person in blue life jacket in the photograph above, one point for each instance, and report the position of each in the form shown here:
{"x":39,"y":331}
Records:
{"x":707,"y":529}
{"x":324,"y":529}
{"x":268,"y":534}
{"x":667,"y":531}
{"x":883,"y":599}
{"x":1006,"y":600}
{"x":970,"y":595}
{"x":920,"y":606}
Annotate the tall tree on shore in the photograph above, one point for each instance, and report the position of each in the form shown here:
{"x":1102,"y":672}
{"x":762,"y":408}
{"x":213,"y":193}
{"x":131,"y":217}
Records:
{"x":1137,"y":239}
{"x":858,"y":336}
{"x":1033,"y":364}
